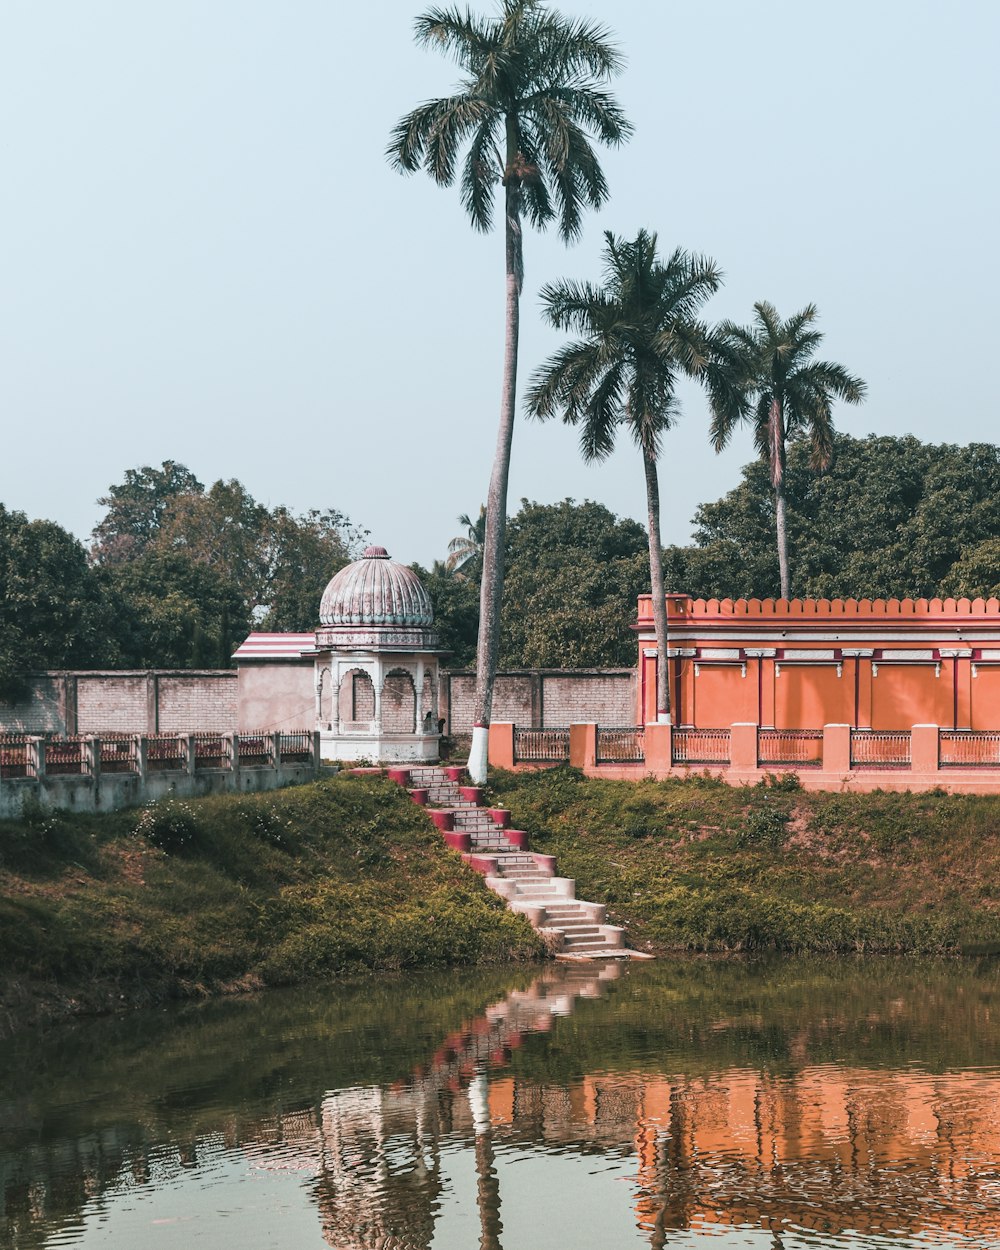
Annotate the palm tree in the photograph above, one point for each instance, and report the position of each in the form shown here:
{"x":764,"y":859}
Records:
{"x":639,"y":335}
{"x":764,"y":374}
{"x":466,"y":551}
{"x":532,"y":96}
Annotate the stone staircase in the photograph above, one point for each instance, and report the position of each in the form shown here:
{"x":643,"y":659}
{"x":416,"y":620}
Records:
{"x":572,"y":928}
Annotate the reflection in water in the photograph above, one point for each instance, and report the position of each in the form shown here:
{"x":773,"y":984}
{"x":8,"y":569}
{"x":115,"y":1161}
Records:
{"x":844,"y":1104}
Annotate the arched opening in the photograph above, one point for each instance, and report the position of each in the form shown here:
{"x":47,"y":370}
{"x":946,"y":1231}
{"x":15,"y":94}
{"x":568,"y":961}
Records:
{"x":428,"y":705}
{"x":357,"y":698}
{"x":399,"y":703}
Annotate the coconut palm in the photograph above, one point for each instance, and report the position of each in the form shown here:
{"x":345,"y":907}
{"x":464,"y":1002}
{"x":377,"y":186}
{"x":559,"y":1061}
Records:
{"x":532,"y":98}
{"x":466,"y":550}
{"x":763,"y":374}
{"x":639,"y":335}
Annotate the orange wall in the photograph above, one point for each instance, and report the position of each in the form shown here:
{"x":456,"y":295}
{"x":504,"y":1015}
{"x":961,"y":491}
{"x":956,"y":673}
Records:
{"x":985,"y":699}
{"x":809,"y":696}
{"x":904,"y":695}
{"x":721,"y":696}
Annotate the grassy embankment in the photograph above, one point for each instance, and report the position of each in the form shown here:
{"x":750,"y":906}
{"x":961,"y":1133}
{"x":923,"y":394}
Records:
{"x":232,"y":893}
{"x":696,"y":864}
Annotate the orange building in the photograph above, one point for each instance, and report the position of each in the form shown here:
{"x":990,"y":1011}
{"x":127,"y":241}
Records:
{"x":800,"y":664}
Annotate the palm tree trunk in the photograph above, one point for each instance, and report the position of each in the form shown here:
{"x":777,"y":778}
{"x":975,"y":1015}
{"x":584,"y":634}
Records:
{"x":491,"y":588}
{"x":656,"y":586}
{"x":776,"y":440}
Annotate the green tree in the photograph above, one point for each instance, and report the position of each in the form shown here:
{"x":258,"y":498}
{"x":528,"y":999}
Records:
{"x":456,"y":611}
{"x":639,"y":334}
{"x":574,"y":573}
{"x":52,"y":610}
{"x":192,"y":569}
{"x":136,"y":507}
{"x":891,"y":517}
{"x":465,"y":551}
{"x":764,"y":374}
{"x":532,"y":96}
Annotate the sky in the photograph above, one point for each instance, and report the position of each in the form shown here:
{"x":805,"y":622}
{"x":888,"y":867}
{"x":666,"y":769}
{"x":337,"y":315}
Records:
{"x":205,"y":257}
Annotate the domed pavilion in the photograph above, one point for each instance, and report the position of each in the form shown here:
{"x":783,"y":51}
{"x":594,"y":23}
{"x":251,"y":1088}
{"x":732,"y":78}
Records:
{"x":377,"y":663}
{"x":367,"y":678}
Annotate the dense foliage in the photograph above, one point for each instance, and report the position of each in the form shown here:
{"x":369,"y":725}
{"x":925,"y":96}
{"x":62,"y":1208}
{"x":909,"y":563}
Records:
{"x":574,"y":571}
{"x":176,"y":577}
{"x":890,"y":517}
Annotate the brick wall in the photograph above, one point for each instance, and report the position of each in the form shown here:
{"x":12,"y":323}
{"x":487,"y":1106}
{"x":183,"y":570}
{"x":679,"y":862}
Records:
{"x":198,"y":701}
{"x":398,"y":704}
{"x":542,"y":698}
{"x":43,"y":710}
{"x":112,"y":703}
{"x":576,"y":699}
{"x":125,"y":702}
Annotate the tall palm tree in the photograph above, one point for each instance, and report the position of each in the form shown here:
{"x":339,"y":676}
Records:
{"x":763,"y":374}
{"x":466,"y":550}
{"x":639,"y":334}
{"x":532,"y":97}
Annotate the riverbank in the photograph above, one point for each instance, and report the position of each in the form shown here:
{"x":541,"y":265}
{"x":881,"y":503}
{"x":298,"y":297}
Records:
{"x":189,"y":898}
{"x":699,"y":865}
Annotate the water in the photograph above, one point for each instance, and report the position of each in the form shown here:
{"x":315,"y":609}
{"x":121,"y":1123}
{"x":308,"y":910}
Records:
{"x":786,"y":1104}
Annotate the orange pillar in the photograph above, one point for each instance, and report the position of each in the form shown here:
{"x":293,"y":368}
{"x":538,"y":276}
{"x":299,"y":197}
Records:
{"x":836,"y":748}
{"x":924,"y":757}
{"x":962,"y":661}
{"x":743,"y":748}
{"x":501,"y":745}
{"x":767,"y":691}
{"x":583,"y":746}
{"x":862,"y":687}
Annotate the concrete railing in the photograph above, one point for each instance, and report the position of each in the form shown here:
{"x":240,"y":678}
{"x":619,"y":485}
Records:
{"x":918,"y":758}
{"x":90,"y":773}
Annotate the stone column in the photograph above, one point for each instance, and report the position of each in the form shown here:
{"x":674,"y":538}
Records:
{"x":836,"y":748}
{"x":743,"y":748}
{"x":583,"y":746}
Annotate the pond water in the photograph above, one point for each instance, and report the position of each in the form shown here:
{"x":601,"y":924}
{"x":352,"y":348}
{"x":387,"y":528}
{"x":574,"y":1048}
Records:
{"x":782,"y":1104}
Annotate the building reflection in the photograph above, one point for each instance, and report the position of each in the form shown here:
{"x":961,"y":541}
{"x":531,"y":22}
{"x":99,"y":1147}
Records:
{"x":824,"y":1147}
{"x":710,"y":1144}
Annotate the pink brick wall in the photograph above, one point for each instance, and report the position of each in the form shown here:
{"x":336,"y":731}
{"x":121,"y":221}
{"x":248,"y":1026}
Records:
{"x":198,"y":701}
{"x":112,"y":703}
{"x":607,"y":699}
{"x":42,"y":711}
{"x":540,"y":698}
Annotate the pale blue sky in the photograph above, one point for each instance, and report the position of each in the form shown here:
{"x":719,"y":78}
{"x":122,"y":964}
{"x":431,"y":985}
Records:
{"x":205,"y":257}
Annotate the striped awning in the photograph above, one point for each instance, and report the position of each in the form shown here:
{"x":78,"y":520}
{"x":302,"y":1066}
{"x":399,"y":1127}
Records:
{"x":260,"y":646}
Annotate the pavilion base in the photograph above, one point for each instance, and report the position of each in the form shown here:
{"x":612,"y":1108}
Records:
{"x":379,"y":749}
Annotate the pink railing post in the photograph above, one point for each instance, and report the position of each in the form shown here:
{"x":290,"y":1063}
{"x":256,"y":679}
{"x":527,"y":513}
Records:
{"x":836,"y":748}
{"x":583,"y":746}
{"x":659,"y":747}
{"x":924,"y":749}
{"x":743,"y":747}
{"x":501,"y":744}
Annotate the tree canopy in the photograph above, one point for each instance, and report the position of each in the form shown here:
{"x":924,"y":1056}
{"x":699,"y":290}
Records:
{"x":891,"y":517}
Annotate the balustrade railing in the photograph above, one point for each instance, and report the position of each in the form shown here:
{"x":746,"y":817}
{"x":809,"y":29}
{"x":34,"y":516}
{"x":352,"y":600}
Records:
{"x":295,"y":747}
{"x":797,"y":748}
{"x":17,"y":757}
{"x":166,"y":753}
{"x":119,"y":753}
{"x":65,"y":757}
{"x":700,"y":746}
{"x":255,"y":750}
{"x":880,"y":749}
{"x":969,"y":748}
{"x":625,"y":745}
{"x":211,"y":751}
{"x":541,"y":746}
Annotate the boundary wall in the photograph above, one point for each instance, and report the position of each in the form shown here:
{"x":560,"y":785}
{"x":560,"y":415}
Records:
{"x":91,"y":774}
{"x":129,"y":701}
{"x":541,"y":697}
{"x":837,"y":757}
{"x":876,"y":664}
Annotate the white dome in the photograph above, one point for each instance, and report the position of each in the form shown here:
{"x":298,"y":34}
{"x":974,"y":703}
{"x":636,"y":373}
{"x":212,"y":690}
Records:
{"x":375,"y":591}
